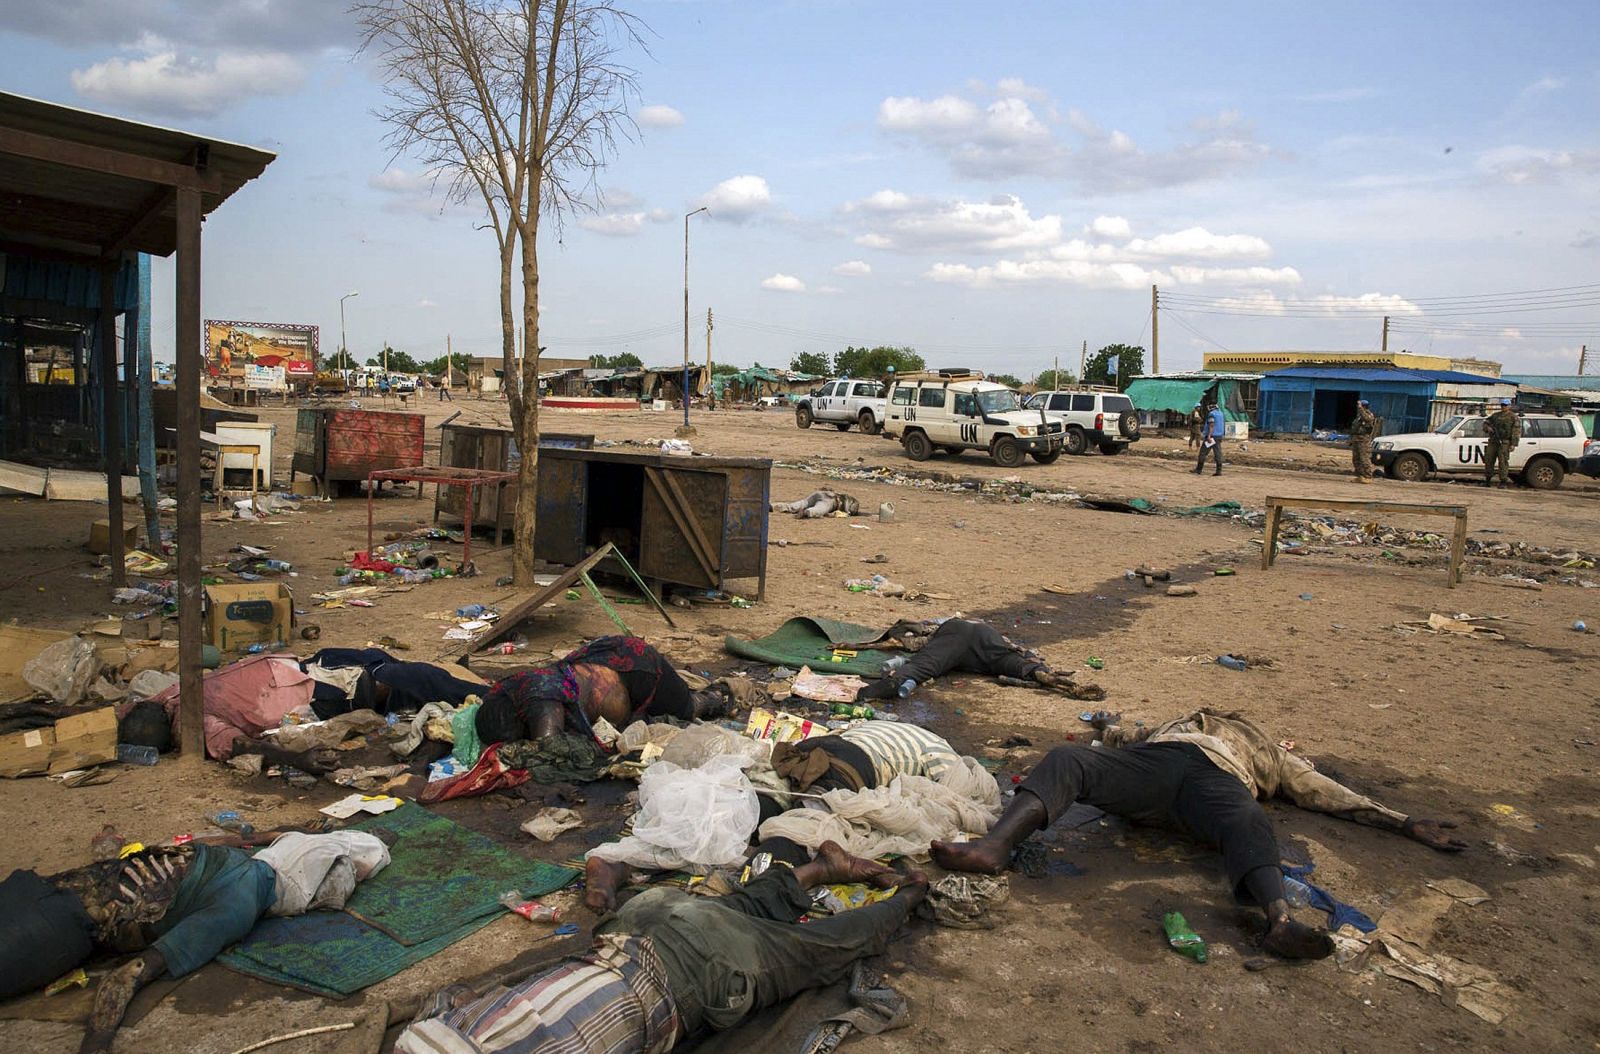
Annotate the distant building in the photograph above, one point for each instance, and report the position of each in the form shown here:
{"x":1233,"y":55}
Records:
{"x":1564,"y":392}
{"x":1323,"y":398}
{"x":484,"y":372}
{"x":1267,"y":361}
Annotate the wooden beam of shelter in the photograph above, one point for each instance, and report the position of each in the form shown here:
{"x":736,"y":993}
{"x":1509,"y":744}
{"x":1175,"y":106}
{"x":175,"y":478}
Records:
{"x":106,"y":160}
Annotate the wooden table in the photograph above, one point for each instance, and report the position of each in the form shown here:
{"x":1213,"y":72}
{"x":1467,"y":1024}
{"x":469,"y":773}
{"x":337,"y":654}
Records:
{"x":215,"y":442}
{"x":1458,"y":542}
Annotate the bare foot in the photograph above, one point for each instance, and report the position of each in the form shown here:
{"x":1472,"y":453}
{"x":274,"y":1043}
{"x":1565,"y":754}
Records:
{"x":1289,"y":939}
{"x":602,"y":879}
{"x":982,"y":856}
{"x":913,"y":886}
{"x":839,"y":866}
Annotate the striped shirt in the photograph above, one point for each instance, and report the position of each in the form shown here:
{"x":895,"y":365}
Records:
{"x":901,"y":750}
{"x":613,"y":1000}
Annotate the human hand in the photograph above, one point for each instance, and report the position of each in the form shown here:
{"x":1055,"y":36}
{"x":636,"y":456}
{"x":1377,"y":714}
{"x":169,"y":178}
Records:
{"x":1431,"y":833}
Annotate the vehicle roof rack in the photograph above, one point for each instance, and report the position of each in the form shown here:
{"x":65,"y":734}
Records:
{"x":945,"y":376}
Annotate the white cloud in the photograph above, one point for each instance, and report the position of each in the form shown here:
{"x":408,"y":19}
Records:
{"x":660,"y":117}
{"x":1110,"y":227}
{"x":738,"y":200}
{"x":1185,"y":274}
{"x":1008,"y":137}
{"x":614,"y":224}
{"x":1511,"y":333}
{"x":409,"y":191}
{"x":783,"y":283}
{"x":425,"y":302}
{"x":1019,"y":272}
{"x":1521,"y":165}
{"x":1197,"y":242}
{"x":163,"y":83}
{"x":853,"y":269}
{"x":904,"y":224}
{"x":1330,"y":306}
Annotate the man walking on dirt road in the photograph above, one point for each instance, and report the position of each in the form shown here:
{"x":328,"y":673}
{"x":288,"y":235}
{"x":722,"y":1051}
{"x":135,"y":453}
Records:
{"x":1211,"y":440}
{"x":1362,"y":429}
{"x":1504,"y":430}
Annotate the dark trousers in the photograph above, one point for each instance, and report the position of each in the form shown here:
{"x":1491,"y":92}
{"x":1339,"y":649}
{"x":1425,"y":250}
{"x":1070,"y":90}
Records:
{"x":1168,"y":784}
{"x":973,"y":647}
{"x":731,"y":956}
{"x":1215,"y":450}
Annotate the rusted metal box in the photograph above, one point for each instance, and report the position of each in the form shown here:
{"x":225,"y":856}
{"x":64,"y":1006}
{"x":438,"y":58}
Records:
{"x":335,"y":446}
{"x":479,"y":446}
{"x":697,"y":522}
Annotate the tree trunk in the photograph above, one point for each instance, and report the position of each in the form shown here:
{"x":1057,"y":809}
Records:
{"x":527,"y":429}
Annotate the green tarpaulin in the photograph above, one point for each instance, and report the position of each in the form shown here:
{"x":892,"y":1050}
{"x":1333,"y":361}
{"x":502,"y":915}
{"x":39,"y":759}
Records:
{"x":810,"y":642}
{"x":1154,"y":393}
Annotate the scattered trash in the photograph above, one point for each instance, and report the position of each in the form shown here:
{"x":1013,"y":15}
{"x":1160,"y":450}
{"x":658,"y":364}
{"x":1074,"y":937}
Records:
{"x":1094,"y":662}
{"x":886,"y":512}
{"x":1223,"y":572}
{"x":830,"y":689}
{"x":531,"y":910}
{"x":1510,"y":814}
{"x":549,"y":823}
{"x":963,"y":902}
{"x":1182,"y":939}
{"x":76,"y":979}
{"x":137,"y":754}
{"x":1580,"y":626}
{"x":1306,"y":596}
{"x":347,"y":807}
{"x":877,"y":584}
{"x":63,"y":670}
{"x":1232,"y":662}
{"x":1182,"y":591}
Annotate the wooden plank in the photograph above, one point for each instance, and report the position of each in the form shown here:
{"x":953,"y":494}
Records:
{"x":1396,"y":508}
{"x":510,"y":620}
{"x":678,"y":508}
{"x":1458,"y":550}
{"x":106,"y":160}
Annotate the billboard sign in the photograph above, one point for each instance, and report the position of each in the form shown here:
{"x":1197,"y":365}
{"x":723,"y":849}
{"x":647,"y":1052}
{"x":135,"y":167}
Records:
{"x":233,"y":344}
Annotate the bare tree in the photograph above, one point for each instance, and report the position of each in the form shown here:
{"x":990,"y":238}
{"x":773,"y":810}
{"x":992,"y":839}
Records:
{"x":517,"y":103}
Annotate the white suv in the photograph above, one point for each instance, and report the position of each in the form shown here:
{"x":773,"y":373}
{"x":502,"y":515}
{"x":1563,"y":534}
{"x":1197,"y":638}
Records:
{"x":1103,"y":419}
{"x":843,"y":403}
{"x":1550,"y":447}
{"x":956,"y":410}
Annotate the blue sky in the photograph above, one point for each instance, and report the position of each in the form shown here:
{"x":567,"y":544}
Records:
{"x":992,"y":184}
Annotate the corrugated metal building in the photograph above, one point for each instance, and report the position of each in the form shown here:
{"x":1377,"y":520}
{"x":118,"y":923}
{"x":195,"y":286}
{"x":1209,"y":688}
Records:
{"x":1323,"y":398}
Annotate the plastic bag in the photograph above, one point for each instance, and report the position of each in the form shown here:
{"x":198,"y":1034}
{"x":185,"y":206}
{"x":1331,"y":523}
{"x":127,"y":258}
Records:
{"x":147,"y":684}
{"x":694,"y":746}
{"x":64,"y":670}
{"x":699,"y":817}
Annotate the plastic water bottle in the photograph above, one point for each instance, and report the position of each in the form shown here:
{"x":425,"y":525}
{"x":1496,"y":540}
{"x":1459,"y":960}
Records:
{"x":137,"y":754}
{"x":907,"y":686}
{"x":1231,"y":663}
{"x":1296,"y":892}
{"x":1183,"y":940}
{"x":277,"y":565}
{"x":471,"y":611}
{"x":894,"y":663}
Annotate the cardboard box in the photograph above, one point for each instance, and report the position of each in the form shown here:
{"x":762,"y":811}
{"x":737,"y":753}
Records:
{"x":100,"y":536}
{"x":83,"y":740}
{"x":141,"y":628}
{"x":252,"y":613}
{"x":18,"y":644}
{"x":26,"y":753}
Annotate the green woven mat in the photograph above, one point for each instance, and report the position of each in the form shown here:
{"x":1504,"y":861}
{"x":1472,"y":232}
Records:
{"x":810,"y":642}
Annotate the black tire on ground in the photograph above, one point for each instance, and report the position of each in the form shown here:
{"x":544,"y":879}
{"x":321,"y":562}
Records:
{"x":802,"y":416}
{"x":1046,"y":459}
{"x":869,"y":424}
{"x":917,"y":446}
{"x":1409,"y":468}
{"x":1077,"y":442}
{"x":1006,"y":452}
{"x":1543,"y":473}
{"x":1109,"y":449}
{"x":843,"y":426}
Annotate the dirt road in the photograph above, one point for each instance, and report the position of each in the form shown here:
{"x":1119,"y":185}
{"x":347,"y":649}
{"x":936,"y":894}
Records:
{"x":1429,"y":723}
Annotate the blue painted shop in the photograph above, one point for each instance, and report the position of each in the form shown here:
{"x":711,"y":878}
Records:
{"x":1323,"y":398}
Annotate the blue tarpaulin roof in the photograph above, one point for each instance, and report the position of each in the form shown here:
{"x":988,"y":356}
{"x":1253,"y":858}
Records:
{"x":1358,"y":373}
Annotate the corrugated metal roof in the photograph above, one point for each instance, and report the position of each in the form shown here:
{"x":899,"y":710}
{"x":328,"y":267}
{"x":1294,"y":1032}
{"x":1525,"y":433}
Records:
{"x":1392,"y":374}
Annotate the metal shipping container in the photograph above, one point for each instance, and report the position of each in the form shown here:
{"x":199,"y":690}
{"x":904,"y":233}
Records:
{"x":334,"y":446}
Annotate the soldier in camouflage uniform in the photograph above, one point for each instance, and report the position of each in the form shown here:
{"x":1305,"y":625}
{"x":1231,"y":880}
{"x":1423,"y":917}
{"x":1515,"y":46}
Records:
{"x":1504,"y":430}
{"x":1197,"y":418}
{"x":1362,"y":429}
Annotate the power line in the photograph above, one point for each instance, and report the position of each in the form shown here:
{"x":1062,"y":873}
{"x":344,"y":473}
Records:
{"x":1180,"y":320}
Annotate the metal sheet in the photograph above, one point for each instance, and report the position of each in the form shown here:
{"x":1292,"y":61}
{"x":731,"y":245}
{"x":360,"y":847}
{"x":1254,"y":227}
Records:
{"x":360,"y":442}
{"x":558,"y":534}
{"x":681,"y":536}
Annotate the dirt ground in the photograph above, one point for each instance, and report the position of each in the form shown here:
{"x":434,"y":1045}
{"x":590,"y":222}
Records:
{"x":1431,"y":724}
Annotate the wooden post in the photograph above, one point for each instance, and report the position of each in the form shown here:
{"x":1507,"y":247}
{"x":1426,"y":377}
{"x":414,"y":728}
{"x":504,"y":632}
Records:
{"x":111,"y":414}
{"x":1269,"y":547}
{"x":191,"y":713}
{"x":1155,"y":332}
{"x":1385,"y":332}
{"x":1458,"y":548}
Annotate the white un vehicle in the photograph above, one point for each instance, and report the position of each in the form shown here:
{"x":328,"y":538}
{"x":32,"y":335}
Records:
{"x":1550,"y":447}
{"x":956,"y":410}
{"x":843,"y":403}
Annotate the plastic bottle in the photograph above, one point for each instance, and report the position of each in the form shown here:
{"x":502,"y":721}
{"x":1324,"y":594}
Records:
{"x":471,"y":611}
{"x":907,"y":686}
{"x":1183,"y":940}
{"x":137,"y":754}
{"x":277,"y":565}
{"x":1231,"y":662}
{"x":852,"y":710}
{"x":1296,"y":892}
{"x":531,"y":910}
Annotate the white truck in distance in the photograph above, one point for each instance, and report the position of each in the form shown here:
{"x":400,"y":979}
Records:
{"x":843,"y":403}
{"x":1550,"y":447}
{"x":956,"y":410}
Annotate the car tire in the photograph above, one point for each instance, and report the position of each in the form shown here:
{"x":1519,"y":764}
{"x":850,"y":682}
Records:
{"x":1077,"y":443}
{"x":1128,"y":425}
{"x":1409,"y":468}
{"x":1112,"y":449}
{"x":843,"y":426}
{"x":1006,"y":452}
{"x":1543,"y":473}
{"x":1046,"y":459}
{"x":802,"y":416}
{"x":917,"y":446}
{"x":868,"y":423}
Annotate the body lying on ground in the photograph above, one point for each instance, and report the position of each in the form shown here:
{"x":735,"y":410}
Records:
{"x":864,"y":757}
{"x":372,"y":679}
{"x":1201,"y":774}
{"x":175,"y":907}
{"x":819,"y":503}
{"x":671,"y":965}
{"x":941,"y":647}
{"x":621,"y":679}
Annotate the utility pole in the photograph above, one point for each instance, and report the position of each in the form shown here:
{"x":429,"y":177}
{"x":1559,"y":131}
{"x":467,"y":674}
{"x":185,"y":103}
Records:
{"x":1055,"y":378}
{"x":1083,"y":360}
{"x":449,"y":360}
{"x":1583,"y":357}
{"x":1155,"y":331}
{"x":1385,"y":332}
{"x":686,"y":218}
{"x":709,"y":386}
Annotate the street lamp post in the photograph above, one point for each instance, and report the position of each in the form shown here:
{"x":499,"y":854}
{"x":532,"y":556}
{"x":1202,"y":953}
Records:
{"x":343,"y":348}
{"x":696,"y":212}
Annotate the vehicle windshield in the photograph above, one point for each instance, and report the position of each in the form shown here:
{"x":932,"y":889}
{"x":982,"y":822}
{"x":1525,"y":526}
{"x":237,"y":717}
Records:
{"x":999,"y":400}
{"x":1449,"y":425}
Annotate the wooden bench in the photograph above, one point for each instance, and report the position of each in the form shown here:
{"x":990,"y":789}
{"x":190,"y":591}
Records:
{"x":1458,"y":542}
